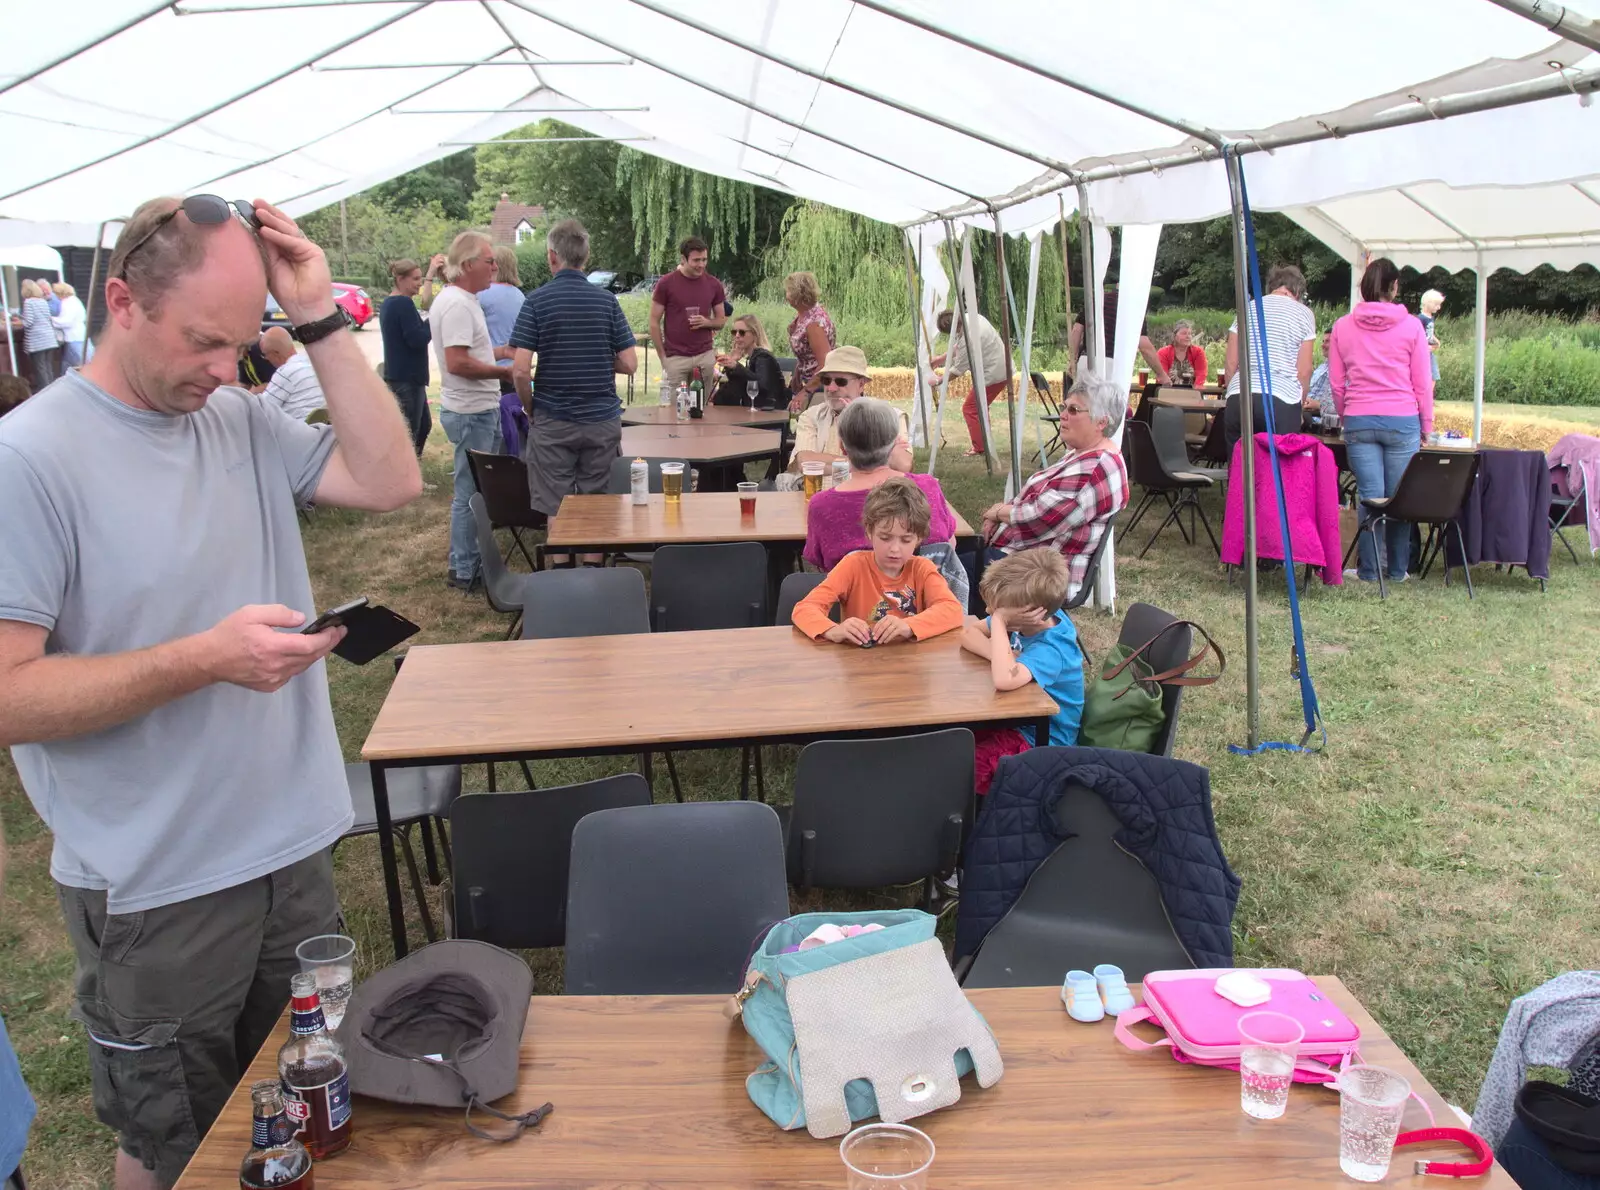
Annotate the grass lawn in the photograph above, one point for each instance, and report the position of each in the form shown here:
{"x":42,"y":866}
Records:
{"x":1441,"y":856}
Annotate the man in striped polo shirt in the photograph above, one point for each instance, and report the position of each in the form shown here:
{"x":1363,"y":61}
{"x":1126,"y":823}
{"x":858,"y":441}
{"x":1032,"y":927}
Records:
{"x":293,"y":387}
{"x":583,"y":341}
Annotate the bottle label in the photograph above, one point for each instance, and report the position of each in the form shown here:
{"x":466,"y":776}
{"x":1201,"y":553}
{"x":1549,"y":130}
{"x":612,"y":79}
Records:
{"x":294,"y":1107}
{"x":339,"y":1101}
{"x":300,"y":1102}
{"x":309,"y":1021}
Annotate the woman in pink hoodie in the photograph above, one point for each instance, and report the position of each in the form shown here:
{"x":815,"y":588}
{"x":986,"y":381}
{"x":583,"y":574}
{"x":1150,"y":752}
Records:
{"x":1379,"y":370}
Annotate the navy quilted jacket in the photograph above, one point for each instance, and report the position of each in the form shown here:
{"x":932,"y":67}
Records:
{"x":1165,"y":809}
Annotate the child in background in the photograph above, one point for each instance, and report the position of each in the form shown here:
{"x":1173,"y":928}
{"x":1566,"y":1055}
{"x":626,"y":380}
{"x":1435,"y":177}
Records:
{"x":1027,"y":640}
{"x":886,"y":593}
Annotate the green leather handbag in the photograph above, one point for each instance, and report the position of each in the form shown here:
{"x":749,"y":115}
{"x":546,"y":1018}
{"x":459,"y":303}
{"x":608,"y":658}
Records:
{"x":1122,"y":707}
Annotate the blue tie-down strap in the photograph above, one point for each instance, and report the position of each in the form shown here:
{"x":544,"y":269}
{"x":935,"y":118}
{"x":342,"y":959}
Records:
{"x":1301,"y":670}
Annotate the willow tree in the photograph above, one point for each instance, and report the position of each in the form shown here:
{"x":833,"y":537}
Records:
{"x":859,"y":263}
{"x":670,"y":201}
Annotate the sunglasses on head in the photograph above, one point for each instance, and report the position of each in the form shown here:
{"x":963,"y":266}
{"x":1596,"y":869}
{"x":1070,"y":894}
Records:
{"x":203,"y":209}
{"x":835,"y":381}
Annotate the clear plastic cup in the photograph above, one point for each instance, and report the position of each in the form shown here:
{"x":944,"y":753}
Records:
{"x":332,"y":959}
{"x":672,"y":482}
{"x":811,"y":476}
{"x":1371,"y":1102}
{"x":1270,"y":1042}
{"x":747,"y":498}
{"x":887,"y":1157}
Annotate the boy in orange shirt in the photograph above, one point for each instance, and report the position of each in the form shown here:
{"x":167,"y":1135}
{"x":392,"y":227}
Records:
{"x":886,"y":593}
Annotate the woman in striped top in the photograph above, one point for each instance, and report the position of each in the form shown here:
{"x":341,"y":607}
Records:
{"x":1291,"y":329}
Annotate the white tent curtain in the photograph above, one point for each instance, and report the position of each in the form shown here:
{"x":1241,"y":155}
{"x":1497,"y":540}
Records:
{"x":1137,"y":266}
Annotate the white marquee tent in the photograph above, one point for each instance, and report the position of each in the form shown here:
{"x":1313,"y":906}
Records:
{"x":911,"y":111}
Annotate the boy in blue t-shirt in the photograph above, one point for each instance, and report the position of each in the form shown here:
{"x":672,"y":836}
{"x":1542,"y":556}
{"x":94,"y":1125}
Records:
{"x":1027,"y":640}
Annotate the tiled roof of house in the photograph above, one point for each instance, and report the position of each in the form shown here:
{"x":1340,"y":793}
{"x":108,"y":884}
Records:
{"x":507,"y":214}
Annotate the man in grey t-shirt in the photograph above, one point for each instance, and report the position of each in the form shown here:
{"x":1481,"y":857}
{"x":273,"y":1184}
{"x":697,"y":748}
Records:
{"x":176,"y":739}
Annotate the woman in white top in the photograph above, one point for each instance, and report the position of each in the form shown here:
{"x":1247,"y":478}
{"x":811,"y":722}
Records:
{"x":72,"y":323}
{"x":1291,"y":329}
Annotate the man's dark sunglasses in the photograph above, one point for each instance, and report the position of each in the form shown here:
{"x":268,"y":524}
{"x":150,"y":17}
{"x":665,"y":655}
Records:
{"x":835,"y":381}
{"x":202,"y":209}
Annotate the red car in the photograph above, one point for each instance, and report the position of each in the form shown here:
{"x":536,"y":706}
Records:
{"x":353,"y":300}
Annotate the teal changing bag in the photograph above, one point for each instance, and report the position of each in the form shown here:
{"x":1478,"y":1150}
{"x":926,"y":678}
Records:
{"x":877,"y":1021}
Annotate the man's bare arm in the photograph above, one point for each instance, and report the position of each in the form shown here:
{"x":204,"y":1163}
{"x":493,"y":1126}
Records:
{"x":57,"y":695}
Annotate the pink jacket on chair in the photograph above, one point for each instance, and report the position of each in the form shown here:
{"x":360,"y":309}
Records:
{"x":1311,"y":494}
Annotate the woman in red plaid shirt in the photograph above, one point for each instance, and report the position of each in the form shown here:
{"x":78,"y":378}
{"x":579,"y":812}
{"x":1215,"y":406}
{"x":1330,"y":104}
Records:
{"x":1069,"y":505}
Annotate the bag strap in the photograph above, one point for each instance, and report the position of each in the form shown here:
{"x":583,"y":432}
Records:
{"x":1133,"y":1016}
{"x":1176,"y":675}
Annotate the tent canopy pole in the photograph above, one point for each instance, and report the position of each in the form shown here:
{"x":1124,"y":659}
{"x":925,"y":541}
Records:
{"x":982,"y":398}
{"x":1025,"y":382}
{"x":1481,"y":334}
{"x":5,"y":309}
{"x":918,"y":389}
{"x":1241,"y":300}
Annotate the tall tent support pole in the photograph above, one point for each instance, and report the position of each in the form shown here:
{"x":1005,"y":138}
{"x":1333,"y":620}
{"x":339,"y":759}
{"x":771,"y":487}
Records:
{"x":1091,"y":316}
{"x":918,"y":383}
{"x":967,"y":295}
{"x":94,"y":284}
{"x":5,"y":310}
{"x":1481,"y":334}
{"x":1241,"y":301}
{"x":1035,"y":248}
{"x":1005,"y":337}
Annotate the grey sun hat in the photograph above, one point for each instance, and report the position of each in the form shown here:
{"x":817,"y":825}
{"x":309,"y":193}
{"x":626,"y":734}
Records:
{"x":443,"y":1026}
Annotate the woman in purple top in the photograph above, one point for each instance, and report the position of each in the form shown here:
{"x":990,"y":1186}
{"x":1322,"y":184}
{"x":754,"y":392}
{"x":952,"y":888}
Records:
{"x":868,"y":431}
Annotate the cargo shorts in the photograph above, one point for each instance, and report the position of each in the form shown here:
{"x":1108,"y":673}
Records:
{"x":177,"y":1000}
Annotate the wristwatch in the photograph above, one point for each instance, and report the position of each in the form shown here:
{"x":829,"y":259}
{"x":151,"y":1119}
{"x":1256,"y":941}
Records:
{"x":310,"y":332}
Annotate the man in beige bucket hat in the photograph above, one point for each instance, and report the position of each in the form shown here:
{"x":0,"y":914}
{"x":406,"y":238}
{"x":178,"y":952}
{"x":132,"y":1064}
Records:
{"x":816,"y":437}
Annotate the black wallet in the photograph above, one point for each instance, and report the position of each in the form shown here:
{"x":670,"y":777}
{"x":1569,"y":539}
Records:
{"x":371,"y":631}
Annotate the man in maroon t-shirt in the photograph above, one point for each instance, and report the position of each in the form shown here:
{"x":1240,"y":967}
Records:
{"x":686,"y":311}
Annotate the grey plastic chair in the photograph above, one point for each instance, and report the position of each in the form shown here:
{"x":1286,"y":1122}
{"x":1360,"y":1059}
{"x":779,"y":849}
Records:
{"x":671,"y":900}
{"x":501,"y":587}
{"x":1091,"y":575}
{"x":620,"y":482}
{"x":1141,"y":624}
{"x":1180,"y":489}
{"x":696,"y":587}
{"x":1167,"y":427}
{"x":792,"y":590}
{"x":870,"y":813}
{"x":416,"y":795}
{"x":512,"y":852}
{"x":1089,"y":903}
{"x":589,"y":601}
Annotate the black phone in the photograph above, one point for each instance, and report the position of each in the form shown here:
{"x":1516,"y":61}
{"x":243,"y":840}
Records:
{"x":333,"y":616}
{"x":371,"y":630}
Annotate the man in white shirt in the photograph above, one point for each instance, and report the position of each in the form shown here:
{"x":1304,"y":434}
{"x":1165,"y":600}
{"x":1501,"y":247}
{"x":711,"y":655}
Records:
{"x":469,"y":385}
{"x":293,"y":387}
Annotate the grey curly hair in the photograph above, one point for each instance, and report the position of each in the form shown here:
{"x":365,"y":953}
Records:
{"x":1108,"y":402}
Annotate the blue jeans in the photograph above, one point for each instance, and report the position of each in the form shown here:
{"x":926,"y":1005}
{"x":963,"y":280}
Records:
{"x":467,"y":431}
{"x":1527,"y":1159}
{"x":1379,"y":447}
{"x":71,"y":355}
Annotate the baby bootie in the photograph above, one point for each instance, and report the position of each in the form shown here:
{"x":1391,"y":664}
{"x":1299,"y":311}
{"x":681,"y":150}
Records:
{"x":1082,"y":997}
{"x":1113,"y":988}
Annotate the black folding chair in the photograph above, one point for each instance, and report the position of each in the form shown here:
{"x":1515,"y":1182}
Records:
{"x":871,"y":813}
{"x":669,"y":900}
{"x":417,"y":794}
{"x":590,"y":601}
{"x":503,"y":482}
{"x":1090,"y":902}
{"x":1086,"y":589}
{"x":1569,"y":512}
{"x":794,"y":588}
{"x":501,"y":587}
{"x":700,"y":587}
{"x":512,"y":852}
{"x":1141,"y":624}
{"x":1180,"y":490}
{"x":1431,"y":491}
{"x":586,"y":602}
{"x":1051,"y":415}
{"x":620,"y":481}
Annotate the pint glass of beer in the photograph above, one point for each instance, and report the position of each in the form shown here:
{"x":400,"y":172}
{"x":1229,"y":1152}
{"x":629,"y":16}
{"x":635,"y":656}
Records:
{"x":672,"y":482}
{"x":811,"y":474}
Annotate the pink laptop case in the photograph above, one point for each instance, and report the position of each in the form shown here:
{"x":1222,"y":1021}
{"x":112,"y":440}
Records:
{"x":1203,"y":1027}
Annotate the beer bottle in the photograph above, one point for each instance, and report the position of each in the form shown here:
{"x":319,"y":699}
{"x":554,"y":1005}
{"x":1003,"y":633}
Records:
{"x":311,"y":1066}
{"x":276,"y":1160}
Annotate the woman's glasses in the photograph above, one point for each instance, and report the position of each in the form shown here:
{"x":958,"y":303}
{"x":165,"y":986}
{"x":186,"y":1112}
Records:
{"x":739,"y":330}
{"x":1074,"y":409}
{"x":835,"y":381}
